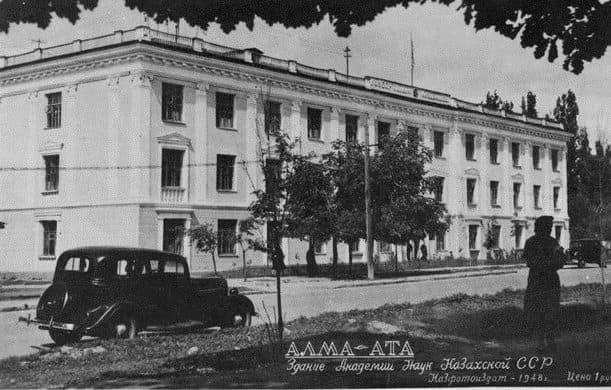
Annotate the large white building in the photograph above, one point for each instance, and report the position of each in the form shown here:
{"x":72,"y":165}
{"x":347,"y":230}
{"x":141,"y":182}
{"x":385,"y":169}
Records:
{"x":118,"y":139}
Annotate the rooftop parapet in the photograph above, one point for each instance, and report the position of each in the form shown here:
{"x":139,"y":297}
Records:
{"x":255,"y":56}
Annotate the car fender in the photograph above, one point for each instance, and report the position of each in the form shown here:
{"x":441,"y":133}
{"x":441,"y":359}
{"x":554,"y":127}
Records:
{"x":104,"y":313}
{"x":239,"y":303}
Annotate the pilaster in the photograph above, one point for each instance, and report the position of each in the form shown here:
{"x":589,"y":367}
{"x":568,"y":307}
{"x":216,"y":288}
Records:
{"x":114,"y":151}
{"x":36,"y":107}
{"x":252,"y":144}
{"x":140,"y":154}
{"x":507,"y":185}
{"x":334,"y":125}
{"x":200,"y":171}
{"x":295,"y":131}
{"x":484,"y":182}
{"x":371,"y":127}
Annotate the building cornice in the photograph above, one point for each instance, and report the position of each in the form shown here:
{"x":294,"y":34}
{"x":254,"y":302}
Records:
{"x":155,"y":55}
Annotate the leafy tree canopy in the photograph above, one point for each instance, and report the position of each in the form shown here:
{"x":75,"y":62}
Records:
{"x":580,"y":26}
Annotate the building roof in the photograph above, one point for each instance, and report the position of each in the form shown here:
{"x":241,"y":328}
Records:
{"x":255,"y":57}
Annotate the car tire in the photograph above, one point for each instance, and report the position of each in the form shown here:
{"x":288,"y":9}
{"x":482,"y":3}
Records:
{"x":124,"y":326}
{"x":242,"y":319}
{"x":60,"y":337}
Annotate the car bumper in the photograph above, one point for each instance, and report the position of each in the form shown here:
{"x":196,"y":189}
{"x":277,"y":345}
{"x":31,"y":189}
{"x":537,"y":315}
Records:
{"x":48,"y":324}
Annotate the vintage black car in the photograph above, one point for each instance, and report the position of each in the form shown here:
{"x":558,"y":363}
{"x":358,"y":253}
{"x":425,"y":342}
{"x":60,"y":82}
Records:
{"x":586,"y":251}
{"x":116,"y":292}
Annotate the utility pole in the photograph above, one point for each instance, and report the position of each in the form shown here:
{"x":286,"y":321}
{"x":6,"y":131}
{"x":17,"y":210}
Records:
{"x":347,"y":55}
{"x":38,"y":41}
{"x":411,"y":41}
{"x":369,"y":254}
{"x":603,"y":253}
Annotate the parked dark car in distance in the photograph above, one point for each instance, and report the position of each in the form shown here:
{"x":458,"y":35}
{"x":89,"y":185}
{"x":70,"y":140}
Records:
{"x":586,"y":251}
{"x":116,"y":292}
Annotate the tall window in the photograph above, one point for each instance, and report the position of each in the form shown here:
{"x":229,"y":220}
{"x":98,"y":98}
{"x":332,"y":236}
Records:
{"x":51,"y":172}
{"x":273,"y":117}
{"x":515,"y":154}
{"x":536,"y":196}
{"x":469,"y":146}
{"x":494,"y":193}
{"x":556,"y":197}
{"x":438,"y":188}
{"x":224,"y":110}
{"x":558,"y":232}
{"x":54,"y":110}
{"x":471,"y":192}
{"x":495,"y":232}
{"x":49,"y":237}
{"x":226,"y":236}
{"x":518,"y":228}
{"x":516,"y":194}
{"x":494,"y":151}
{"x":352,"y":123}
{"x":473,"y":237}
{"x":173,"y":235}
{"x":171,"y":102}
{"x":555,"y":160}
{"x":314,"y":123}
{"x":224,"y":172}
{"x":273,"y":174}
{"x":438,"y":143}
{"x":354,"y":246}
{"x":440,"y":241}
{"x":171,"y":167}
{"x":536,"y":158}
{"x":383,"y":133}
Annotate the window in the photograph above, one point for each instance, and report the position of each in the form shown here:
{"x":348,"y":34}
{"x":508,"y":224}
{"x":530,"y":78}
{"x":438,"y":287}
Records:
{"x":473,"y":237}
{"x":171,"y":167}
{"x":224,"y":172}
{"x":51,"y":172}
{"x":273,"y":117}
{"x":77,"y":264}
{"x":438,"y":143}
{"x":226,"y":236}
{"x":515,"y":154}
{"x":471,"y":192}
{"x":555,"y":160}
{"x":314,"y":123}
{"x":171,"y":102}
{"x":469,"y":146}
{"x":440,"y":241}
{"x":224,"y":110}
{"x":49,"y":238}
{"x":383,"y":133}
{"x":494,"y":151}
{"x":273,"y":174}
{"x":352,"y":122}
{"x":354,"y":246}
{"x":518,"y":228}
{"x":536,"y":193}
{"x":54,"y":110}
{"x":536,"y":158}
{"x":556,"y":197}
{"x":516,"y":195}
{"x":438,"y":188}
{"x":495,"y":235}
{"x":494,"y":193}
{"x":173,"y":235}
{"x":558,"y":232}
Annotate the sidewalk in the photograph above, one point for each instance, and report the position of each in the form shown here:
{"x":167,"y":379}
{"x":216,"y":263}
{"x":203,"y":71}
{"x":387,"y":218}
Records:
{"x":267,"y":284}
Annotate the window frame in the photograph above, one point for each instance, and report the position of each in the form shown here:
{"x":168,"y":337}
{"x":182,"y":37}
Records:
{"x":225,"y":249}
{"x":494,"y":193}
{"x":537,"y":196}
{"x":438,"y":143}
{"x":51,"y":173}
{"x":556,"y":197}
{"x":473,"y":201}
{"x":222,"y":168}
{"x":172,"y":97}
{"x":536,"y":157}
{"x":314,"y":123}
{"x":54,"y":110}
{"x":49,"y":238}
{"x":177,"y":168}
{"x":493,"y":152}
{"x":470,"y":147}
{"x":225,"y":110}
{"x":517,"y":195}
{"x":349,"y":130}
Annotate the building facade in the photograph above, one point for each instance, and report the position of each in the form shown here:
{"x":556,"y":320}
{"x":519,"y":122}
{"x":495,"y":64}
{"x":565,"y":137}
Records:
{"x":123,"y":139}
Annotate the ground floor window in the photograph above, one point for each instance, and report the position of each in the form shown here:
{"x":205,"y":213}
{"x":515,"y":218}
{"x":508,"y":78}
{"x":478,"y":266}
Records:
{"x":385,"y":247}
{"x":440,"y":241}
{"x":473,"y":237}
{"x":495,"y":236}
{"x":49,"y":237}
{"x":558,"y":232}
{"x":173,"y":235}
{"x":354,"y":246}
{"x":227,"y":236}
{"x":518,"y":229}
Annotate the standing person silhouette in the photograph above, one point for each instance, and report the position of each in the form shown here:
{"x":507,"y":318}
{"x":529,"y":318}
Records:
{"x":543,"y":255}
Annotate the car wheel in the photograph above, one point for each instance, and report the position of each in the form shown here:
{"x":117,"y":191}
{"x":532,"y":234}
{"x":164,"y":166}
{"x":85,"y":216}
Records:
{"x":61,"y":337}
{"x":124,"y":326}
{"x":581,"y":264}
{"x":242,"y":319}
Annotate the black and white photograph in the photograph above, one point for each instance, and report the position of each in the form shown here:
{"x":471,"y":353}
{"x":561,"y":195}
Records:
{"x":305,"y":194}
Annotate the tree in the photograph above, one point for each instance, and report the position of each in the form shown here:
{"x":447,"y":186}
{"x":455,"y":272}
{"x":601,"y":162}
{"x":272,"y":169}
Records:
{"x":205,"y":239}
{"x":581,"y":26}
{"x":248,"y":238}
{"x":529,"y":107}
{"x":494,"y":102}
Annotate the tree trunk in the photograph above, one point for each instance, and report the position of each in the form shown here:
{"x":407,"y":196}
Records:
{"x":349,"y":260}
{"x":311,"y":259}
{"x":214,"y":262}
{"x":334,"y":243}
{"x":396,"y":259}
{"x":244,"y":263}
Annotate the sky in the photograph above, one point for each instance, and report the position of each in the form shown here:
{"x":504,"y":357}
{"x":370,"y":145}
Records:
{"x":450,"y":56}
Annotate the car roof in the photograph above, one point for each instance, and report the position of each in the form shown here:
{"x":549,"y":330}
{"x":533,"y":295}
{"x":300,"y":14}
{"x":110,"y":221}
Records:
{"x":117,"y":250}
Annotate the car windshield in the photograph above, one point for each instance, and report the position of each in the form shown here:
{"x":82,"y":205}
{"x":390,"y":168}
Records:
{"x":79,"y":264}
